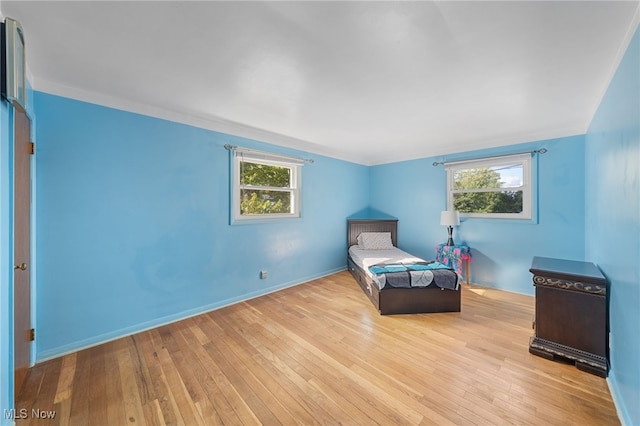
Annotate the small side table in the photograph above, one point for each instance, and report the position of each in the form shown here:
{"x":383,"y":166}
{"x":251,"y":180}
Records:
{"x":455,"y":256}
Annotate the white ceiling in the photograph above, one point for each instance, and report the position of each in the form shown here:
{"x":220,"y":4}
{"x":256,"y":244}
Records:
{"x":366,"y":81}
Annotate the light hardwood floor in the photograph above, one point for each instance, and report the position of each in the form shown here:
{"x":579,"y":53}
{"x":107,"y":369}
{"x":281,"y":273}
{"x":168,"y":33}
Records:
{"x":319,"y":353}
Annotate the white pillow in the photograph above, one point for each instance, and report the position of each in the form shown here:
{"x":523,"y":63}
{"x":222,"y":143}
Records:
{"x":375,"y":240}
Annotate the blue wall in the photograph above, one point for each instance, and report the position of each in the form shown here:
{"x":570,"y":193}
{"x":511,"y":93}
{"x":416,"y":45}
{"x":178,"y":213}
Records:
{"x":415,"y":192}
{"x":612,"y":212}
{"x":133,"y":224}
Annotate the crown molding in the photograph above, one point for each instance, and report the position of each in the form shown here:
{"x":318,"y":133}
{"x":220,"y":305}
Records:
{"x":237,"y":129}
{"x":216,"y":124}
{"x":626,"y":41}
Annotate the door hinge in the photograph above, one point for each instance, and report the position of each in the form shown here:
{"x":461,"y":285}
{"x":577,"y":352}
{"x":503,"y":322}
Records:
{"x":32,"y":148}
{"x":32,"y":334}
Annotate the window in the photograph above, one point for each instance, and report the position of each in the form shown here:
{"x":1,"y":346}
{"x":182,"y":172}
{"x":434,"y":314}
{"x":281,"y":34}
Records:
{"x":265,"y":186}
{"x":498,"y":187}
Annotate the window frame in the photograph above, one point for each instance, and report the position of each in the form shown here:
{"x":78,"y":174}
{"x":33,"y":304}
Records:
{"x":497,"y":161}
{"x":295,"y":187}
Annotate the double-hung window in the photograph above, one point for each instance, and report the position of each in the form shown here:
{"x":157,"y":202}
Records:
{"x":265,"y":186}
{"x":497,"y":187}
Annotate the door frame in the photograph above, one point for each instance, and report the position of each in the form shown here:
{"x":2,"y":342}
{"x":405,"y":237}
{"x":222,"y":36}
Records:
{"x":22,"y":248}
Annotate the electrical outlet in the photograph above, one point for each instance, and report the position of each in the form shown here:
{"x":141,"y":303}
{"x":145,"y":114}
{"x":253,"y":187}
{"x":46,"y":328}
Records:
{"x":263,"y":275}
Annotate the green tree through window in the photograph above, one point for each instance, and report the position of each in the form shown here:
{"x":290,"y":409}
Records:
{"x":471,"y":195}
{"x":492,"y":187}
{"x":264,"y":189}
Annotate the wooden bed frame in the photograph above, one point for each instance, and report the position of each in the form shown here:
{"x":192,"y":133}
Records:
{"x":397,"y":300}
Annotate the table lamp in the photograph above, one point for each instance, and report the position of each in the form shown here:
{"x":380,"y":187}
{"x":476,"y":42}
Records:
{"x":450,"y":218}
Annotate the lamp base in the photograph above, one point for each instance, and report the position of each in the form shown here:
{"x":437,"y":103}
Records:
{"x":450,"y":240}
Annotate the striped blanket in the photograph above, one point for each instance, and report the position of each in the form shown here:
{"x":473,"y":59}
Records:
{"x":419,"y":274}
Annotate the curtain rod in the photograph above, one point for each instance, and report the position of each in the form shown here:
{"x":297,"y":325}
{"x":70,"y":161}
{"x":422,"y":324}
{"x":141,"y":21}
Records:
{"x":535,"y":151}
{"x":286,"y":157}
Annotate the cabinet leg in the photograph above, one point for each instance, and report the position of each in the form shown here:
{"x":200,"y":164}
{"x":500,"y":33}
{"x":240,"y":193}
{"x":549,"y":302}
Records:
{"x":590,"y":369}
{"x":466,"y":270}
{"x":541,"y":353}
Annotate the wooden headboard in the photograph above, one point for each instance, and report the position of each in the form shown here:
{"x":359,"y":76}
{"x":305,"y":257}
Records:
{"x":357,"y":226}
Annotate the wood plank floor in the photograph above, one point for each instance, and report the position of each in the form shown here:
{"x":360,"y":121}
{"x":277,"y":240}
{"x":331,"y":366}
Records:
{"x":319,"y":353}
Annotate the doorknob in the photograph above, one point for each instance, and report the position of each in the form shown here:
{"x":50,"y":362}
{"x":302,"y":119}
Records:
{"x":22,"y":266}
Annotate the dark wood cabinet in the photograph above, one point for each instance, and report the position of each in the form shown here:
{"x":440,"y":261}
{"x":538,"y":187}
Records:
{"x":572,"y":313}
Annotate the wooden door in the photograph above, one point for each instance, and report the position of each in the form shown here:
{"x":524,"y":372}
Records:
{"x":22,"y":258}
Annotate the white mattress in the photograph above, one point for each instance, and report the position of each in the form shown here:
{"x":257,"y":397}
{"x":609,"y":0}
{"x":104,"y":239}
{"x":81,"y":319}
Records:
{"x":366,"y":258}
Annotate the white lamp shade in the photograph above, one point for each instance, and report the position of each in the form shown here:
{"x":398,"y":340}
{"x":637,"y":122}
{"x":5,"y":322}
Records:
{"x":449,"y":218}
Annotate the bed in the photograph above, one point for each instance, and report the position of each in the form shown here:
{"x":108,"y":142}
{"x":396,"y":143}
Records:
{"x":438,"y":296}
